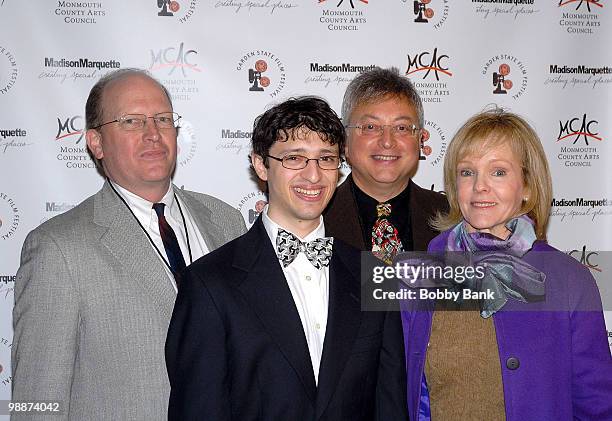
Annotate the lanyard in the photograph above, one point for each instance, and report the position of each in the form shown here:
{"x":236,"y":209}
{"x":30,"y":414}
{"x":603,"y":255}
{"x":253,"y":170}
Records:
{"x":147,"y":234}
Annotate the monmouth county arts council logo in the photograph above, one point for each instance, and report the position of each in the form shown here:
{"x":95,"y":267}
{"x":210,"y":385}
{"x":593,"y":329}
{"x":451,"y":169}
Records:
{"x":430,"y":71}
{"x":581,"y":17}
{"x":343,"y":15}
{"x":579,"y":141}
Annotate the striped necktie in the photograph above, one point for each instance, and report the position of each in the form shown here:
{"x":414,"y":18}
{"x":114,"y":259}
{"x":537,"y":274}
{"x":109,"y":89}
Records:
{"x":173,"y":250}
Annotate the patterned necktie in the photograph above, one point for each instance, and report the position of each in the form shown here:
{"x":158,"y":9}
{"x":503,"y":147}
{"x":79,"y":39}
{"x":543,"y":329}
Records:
{"x":173,"y":250}
{"x":318,"y":251}
{"x":385,"y":239}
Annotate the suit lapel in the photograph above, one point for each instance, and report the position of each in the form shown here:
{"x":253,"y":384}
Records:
{"x":212,"y":234}
{"x":342,"y":217}
{"x":266,"y":290}
{"x":127,"y":242}
{"x":344,"y":319}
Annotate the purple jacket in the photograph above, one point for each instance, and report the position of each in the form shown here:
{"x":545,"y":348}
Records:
{"x":556,"y":365}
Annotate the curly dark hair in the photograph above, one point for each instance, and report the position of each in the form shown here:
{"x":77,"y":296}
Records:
{"x":279,"y":123}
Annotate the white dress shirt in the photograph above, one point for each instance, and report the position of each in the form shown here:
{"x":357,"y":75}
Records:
{"x":143,"y":210}
{"x":309,"y":288}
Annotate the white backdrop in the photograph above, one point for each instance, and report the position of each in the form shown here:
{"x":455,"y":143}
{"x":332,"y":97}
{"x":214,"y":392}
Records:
{"x":547,"y":60}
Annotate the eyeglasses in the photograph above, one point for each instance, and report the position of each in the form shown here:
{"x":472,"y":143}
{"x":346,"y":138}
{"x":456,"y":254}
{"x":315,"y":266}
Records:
{"x":298,"y":162}
{"x":131,"y":122}
{"x":398,"y":130}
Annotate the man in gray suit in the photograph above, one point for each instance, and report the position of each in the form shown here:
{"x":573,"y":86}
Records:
{"x":97,"y":284}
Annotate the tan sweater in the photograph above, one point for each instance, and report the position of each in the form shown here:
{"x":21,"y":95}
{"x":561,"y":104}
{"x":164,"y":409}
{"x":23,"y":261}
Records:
{"x":462,"y":367}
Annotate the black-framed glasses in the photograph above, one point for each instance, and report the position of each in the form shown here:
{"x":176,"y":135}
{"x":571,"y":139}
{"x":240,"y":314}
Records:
{"x":130,"y":122}
{"x":298,"y":162}
{"x":398,"y":130}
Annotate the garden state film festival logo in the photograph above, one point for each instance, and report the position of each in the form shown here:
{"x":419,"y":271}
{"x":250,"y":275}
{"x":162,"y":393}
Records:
{"x":251,"y":205}
{"x":509,"y":75}
{"x":342,"y":15}
{"x":264,"y":71}
{"x":8,"y":70}
{"x":177,"y":67}
{"x":5,"y":347}
{"x":183,"y":10}
{"x":72,"y":150}
{"x":580,"y":17}
{"x":579,"y":131}
{"x":429,"y":66}
{"x":186,"y":143}
{"x":9,"y":217}
{"x":433,"y":144}
{"x":428,"y":12}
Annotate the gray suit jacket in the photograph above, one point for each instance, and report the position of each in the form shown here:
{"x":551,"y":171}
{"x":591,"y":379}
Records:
{"x":92,"y":308}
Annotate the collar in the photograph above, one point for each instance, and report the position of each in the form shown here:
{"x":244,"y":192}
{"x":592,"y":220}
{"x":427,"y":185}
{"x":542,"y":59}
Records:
{"x":364,"y":199}
{"x":143,"y":209}
{"x":272,"y":229}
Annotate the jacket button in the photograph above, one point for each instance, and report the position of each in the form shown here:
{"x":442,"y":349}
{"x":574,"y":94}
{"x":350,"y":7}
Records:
{"x":513,"y":363}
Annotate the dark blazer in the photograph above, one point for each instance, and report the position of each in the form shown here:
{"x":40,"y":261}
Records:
{"x":236,"y":347}
{"x":342,"y":216}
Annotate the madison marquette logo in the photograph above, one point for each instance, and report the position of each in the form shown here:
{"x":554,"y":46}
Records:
{"x":579,"y":141}
{"x":7,"y":286}
{"x":9,"y":217}
{"x":177,"y":67}
{"x":325,"y":74}
{"x":54,"y":208}
{"x":69,"y":140}
{"x":234,"y":140}
{"x":247,"y":6}
{"x":507,"y":75}
{"x":572,"y":76}
{"x":8,"y":70}
{"x":433,"y":144}
{"x":182,"y":10}
{"x":580,"y":16}
{"x":343,"y":15}
{"x":568,"y":209}
{"x":264,"y":71}
{"x":505,"y":9}
{"x":430,"y":72}
{"x":80,"y":12}
{"x":12,"y":139}
{"x":82,"y":68}
{"x":431,"y":12}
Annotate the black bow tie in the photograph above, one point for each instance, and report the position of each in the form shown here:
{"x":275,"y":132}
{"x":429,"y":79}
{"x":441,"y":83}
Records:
{"x":318,"y":251}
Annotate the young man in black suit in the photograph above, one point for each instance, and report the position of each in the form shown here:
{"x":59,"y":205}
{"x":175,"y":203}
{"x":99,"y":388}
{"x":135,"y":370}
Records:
{"x":270,"y":327}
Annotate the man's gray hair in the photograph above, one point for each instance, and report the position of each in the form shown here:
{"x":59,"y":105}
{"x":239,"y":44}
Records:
{"x":374,"y":85}
{"x":93,"y":107}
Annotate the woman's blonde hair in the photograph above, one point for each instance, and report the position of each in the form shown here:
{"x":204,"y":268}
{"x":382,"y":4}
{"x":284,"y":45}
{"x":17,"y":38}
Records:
{"x":486,"y":131}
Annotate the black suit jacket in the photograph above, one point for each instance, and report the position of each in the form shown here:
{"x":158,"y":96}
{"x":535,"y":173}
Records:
{"x":342,"y":216}
{"x":236,"y":347}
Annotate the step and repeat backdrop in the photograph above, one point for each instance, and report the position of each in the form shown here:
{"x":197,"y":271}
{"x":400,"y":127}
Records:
{"x":225,"y":61}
